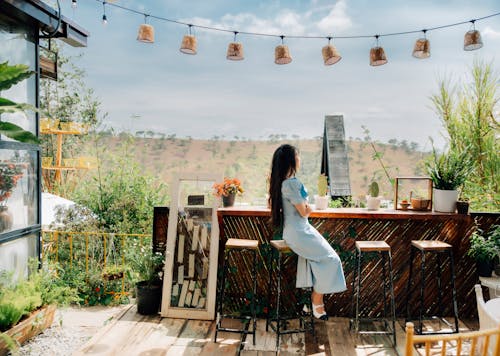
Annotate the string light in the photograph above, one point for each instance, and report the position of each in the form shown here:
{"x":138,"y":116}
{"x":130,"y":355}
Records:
{"x":422,"y":48}
{"x":377,"y":54}
{"x":282,"y":53}
{"x":146,"y":32}
{"x":235,"y":50}
{"x":104,"y":18}
{"x":472,"y":39}
{"x":330,"y":54}
{"x":189,"y":43}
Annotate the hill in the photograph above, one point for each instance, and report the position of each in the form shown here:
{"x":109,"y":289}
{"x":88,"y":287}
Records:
{"x":250,"y":160}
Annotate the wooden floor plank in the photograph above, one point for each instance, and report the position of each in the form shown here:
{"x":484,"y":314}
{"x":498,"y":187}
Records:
{"x":105,"y":343}
{"x":340,"y":340}
{"x":158,"y":339}
{"x":318,"y":344}
{"x":227,"y":343}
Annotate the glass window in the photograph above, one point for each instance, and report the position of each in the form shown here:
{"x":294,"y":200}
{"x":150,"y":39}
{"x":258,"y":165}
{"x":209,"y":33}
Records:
{"x":14,"y":255}
{"x":18,"y":189}
{"x":18,"y":47}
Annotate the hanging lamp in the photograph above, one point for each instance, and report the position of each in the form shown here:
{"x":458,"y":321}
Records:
{"x":472,"y":39}
{"x":377,"y":55}
{"x":330,"y":54}
{"x":104,"y":18}
{"x":282,"y":53}
{"x":189,"y":43}
{"x":235,"y":50}
{"x":422,"y":48}
{"x":146,"y":32}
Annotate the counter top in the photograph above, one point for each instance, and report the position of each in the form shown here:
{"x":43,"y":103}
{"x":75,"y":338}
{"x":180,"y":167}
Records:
{"x":348,"y":213}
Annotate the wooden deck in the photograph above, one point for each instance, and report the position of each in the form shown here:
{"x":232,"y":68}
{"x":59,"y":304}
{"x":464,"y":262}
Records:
{"x":133,"y":334}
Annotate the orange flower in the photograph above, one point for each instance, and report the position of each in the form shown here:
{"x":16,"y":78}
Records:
{"x":228,"y":186}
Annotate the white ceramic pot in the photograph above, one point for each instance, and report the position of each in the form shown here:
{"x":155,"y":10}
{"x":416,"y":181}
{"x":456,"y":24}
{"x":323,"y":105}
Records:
{"x":445,"y":201}
{"x":321,"y":202}
{"x":373,"y":203}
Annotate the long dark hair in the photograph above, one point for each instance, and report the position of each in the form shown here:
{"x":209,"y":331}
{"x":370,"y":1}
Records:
{"x":283,"y":165}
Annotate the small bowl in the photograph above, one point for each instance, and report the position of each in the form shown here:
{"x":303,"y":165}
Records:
{"x":404,"y":206}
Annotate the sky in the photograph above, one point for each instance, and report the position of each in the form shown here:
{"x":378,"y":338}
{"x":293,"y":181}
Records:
{"x":155,"y":87}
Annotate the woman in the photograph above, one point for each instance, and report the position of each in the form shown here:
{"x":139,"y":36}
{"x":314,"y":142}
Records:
{"x":318,"y":264}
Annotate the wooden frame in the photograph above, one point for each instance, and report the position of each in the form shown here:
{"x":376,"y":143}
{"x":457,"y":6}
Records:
{"x":397,"y":200}
{"x":190,"y":278}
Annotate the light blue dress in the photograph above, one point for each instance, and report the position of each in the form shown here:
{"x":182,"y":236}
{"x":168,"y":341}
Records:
{"x":318,"y":264}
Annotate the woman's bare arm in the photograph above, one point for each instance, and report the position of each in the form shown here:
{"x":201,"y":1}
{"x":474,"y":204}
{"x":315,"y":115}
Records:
{"x":304,"y":209}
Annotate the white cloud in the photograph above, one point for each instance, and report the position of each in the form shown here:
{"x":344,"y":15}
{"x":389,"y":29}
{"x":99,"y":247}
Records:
{"x":488,"y":32}
{"x":337,"y":19}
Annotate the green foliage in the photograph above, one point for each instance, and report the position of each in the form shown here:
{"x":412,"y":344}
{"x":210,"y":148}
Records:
{"x":468,"y":112}
{"x":373,"y":189}
{"x":146,"y":265}
{"x":121,"y":195}
{"x":9,"y":76}
{"x":19,"y":298}
{"x":485,"y":247}
{"x":448,"y":170}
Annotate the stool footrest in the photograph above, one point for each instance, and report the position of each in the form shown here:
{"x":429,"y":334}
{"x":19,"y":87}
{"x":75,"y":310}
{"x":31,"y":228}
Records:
{"x":240,"y":317}
{"x":241,"y":331}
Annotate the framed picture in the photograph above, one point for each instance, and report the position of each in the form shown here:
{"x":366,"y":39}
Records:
{"x":190,"y":278}
{"x":413,"y":193}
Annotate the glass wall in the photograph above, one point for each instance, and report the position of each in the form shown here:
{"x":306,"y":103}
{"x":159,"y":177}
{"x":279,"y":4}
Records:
{"x":19,"y":166}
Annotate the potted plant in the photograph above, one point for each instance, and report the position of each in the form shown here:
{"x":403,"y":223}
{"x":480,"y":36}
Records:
{"x":27,"y":305}
{"x":321,"y":200}
{"x":148,"y":267}
{"x":227,"y":190}
{"x":448,"y":171}
{"x":373,"y":199}
{"x":485,"y":249}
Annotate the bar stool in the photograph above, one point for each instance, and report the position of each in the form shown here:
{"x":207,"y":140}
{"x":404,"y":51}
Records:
{"x":237,"y":245}
{"x":384,"y":250}
{"x":282,"y":248}
{"x":436,"y":247}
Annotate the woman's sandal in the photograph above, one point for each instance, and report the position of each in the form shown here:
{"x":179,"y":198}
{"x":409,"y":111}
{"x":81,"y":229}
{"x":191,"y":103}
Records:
{"x":320,"y":316}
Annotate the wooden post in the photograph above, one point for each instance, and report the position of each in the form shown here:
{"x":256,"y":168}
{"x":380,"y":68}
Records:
{"x":57,"y":176}
{"x":409,"y":339}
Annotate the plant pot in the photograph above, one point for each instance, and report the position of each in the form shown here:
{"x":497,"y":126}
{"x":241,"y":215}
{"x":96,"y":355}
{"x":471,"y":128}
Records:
{"x":445,"y":201}
{"x":462,"y":207}
{"x":148,"y":297}
{"x":6,"y":219}
{"x":228,"y":200}
{"x":373,"y":203}
{"x":321,"y":202}
{"x":484,"y":268}
{"x":34,"y":324}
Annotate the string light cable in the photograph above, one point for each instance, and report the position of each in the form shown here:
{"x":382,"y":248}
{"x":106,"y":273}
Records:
{"x":249,"y":33}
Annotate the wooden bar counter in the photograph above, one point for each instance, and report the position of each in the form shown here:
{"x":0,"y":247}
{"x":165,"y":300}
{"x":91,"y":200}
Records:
{"x":342,"y":227}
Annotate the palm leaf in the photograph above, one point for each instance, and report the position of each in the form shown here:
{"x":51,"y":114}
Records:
{"x":17,"y":133}
{"x":11,"y":75}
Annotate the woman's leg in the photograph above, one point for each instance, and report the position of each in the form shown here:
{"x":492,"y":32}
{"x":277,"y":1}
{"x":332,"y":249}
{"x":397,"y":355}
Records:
{"x":317,"y":299}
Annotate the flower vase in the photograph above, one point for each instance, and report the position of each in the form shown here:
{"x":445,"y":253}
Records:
{"x":6,"y":218}
{"x":228,"y":200}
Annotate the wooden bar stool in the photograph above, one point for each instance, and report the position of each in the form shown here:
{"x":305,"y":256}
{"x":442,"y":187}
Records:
{"x":436,"y":247}
{"x":237,"y":245}
{"x":282,"y":248}
{"x":385,"y":251}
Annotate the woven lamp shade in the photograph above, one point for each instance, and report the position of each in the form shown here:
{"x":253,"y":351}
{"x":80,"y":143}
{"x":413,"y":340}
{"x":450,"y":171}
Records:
{"x":235,"y":51}
{"x":282,"y":55}
{"x":188,"y":45}
{"x":472,"y":40}
{"x":330,"y":55}
{"x":377,"y":56}
{"x":422,"y":48}
{"x":146,"y":33}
